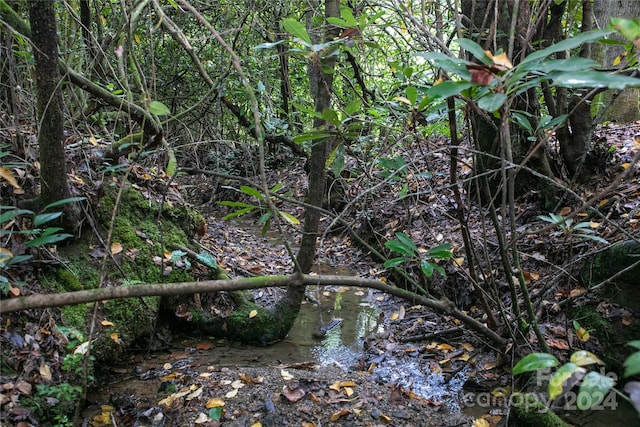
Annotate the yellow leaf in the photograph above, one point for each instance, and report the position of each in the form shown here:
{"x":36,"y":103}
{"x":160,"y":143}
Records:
{"x":349,"y":391}
{"x":402,"y":99}
{"x":285,"y":375}
{"x":467,"y":346}
{"x":594,"y":224}
{"x":347,"y":384}
{"x":395,"y":316}
{"x":565,"y":211}
{"x":335,"y":386}
{"x":437,"y":82}
{"x":253,"y":314}
{"x":626,"y":165}
{"x":481,"y":422}
{"x":93,"y":141}
{"x":45,"y":372}
{"x":116,"y":248}
{"x":214,"y":403}
{"x":616,"y":61}
{"x":458,"y":262}
{"x":445,"y":347}
{"x":503,"y":61}
{"x":258,"y":424}
{"x":136,"y":38}
{"x":106,"y":323}
{"x":8,"y":176}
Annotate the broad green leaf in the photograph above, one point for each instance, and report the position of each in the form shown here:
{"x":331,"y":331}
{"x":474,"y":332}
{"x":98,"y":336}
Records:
{"x":47,"y":240}
{"x":632,"y":365}
{"x":406,"y":241}
{"x":7,"y":216}
{"x":594,"y":79}
{"x":584,"y":358}
{"x":239,"y":212}
{"x":629,"y":28}
{"x":64,"y":202}
{"x":331,"y":116}
{"x":447,"y":89}
{"x":492,"y":102}
{"x":158,"y":108}
{"x":338,"y":22}
{"x":215,"y":413}
{"x":353,"y":107}
{"x":295,"y":28}
{"x":208,"y":260}
{"x":634,"y":344}
{"x":522,"y":121}
{"x":535,"y":361}
{"x":441,"y":251}
{"x":394,"y":262}
{"x":396,"y":246}
{"x":593,"y":389}
{"x":45,"y":217}
{"x":251,"y":192}
{"x":236,"y":204}
{"x":347,"y":15}
{"x":289,"y":218}
{"x":311,"y":136}
{"x":427,"y":267}
{"x":412,"y":94}
{"x":571,"y":64}
{"x":566,"y":374}
{"x":476,"y":50}
{"x":264,"y":218}
{"x":567,"y":44}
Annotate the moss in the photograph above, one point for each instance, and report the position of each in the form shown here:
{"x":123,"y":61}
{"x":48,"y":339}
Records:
{"x":75,"y":316}
{"x":528,"y":411}
{"x":68,"y":280}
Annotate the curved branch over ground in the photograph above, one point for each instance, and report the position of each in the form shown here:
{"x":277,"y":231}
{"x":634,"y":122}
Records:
{"x":81,"y":297}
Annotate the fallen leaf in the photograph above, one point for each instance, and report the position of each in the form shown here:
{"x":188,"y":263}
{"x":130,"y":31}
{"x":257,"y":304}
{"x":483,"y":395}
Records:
{"x":253,"y":313}
{"x":204,"y":346}
{"x":293,"y":394}
{"x":8,"y":176}
{"x":45,"y":372}
{"x":231,"y":394}
{"x":195,"y":394}
{"x":565,"y":211}
{"x":285,"y":375}
{"x":214,"y":402}
{"x":339,"y":414}
{"x":106,"y":323}
{"x":116,"y":248}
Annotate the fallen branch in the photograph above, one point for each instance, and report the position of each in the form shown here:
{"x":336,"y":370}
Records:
{"x":164,"y":289}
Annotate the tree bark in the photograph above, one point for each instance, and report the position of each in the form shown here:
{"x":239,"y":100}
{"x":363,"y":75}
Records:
{"x":53,"y":169}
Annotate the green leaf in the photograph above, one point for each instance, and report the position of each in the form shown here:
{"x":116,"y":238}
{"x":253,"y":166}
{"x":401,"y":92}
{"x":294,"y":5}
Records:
{"x":632,"y":365}
{"x":427,"y":267}
{"x":593,"y":389}
{"x":45,"y":217}
{"x":347,"y":15}
{"x":331,"y":116}
{"x":522,"y":121}
{"x":492,"y":102}
{"x":629,"y":28}
{"x":251,"y":192}
{"x":407,"y":242}
{"x":158,"y":108}
{"x":47,"y":239}
{"x":353,"y":107}
{"x":441,"y":251}
{"x":338,"y":22}
{"x":535,"y":361}
{"x":571,"y":64}
{"x":215,"y":413}
{"x":594,"y":79}
{"x":289,"y":218}
{"x":567,"y":374}
{"x":239,"y":212}
{"x":208,"y":260}
{"x":412,"y":94}
{"x":295,"y":28}
{"x":236,"y":204}
{"x":584,"y":358}
{"x":447,"y":88}
{"x":396,"y":246}
{"x":64,"y":202}
{"x":7,"y":216}
{"x":311,"y":136}
{"x":394,"y":262}
{"x":634,"y":344}
{"x":567,"y":44}
{"x":476,"y":50}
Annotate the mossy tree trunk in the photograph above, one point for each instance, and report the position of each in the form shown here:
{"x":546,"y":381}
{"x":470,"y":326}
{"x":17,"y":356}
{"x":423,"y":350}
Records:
{"x":53,"y":170}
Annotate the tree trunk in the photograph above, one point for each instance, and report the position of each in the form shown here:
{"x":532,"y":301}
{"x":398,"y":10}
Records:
{"x":53,"y":168}
{"x":622,"y":106}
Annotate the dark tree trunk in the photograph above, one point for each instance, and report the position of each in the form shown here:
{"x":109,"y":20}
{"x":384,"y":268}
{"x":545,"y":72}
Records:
{"x":53,"y":169}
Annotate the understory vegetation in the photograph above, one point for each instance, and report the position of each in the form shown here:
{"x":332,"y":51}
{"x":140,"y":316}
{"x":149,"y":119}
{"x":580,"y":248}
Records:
{"x":479,"y":157}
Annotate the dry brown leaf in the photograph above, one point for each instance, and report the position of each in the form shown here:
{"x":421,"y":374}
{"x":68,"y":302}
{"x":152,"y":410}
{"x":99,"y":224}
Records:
{"x":293,"y":394}
{"x":214,"y":402}
{"x":45,"y":372}
{"x":116,"y":248}
{"x":339,"y":414}
{"x":106,"y":323}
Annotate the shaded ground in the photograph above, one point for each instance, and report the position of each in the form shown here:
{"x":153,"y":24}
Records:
{"x":367,"y":391}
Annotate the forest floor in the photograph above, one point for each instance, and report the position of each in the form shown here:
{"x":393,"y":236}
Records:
{"x":177,"y":386}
